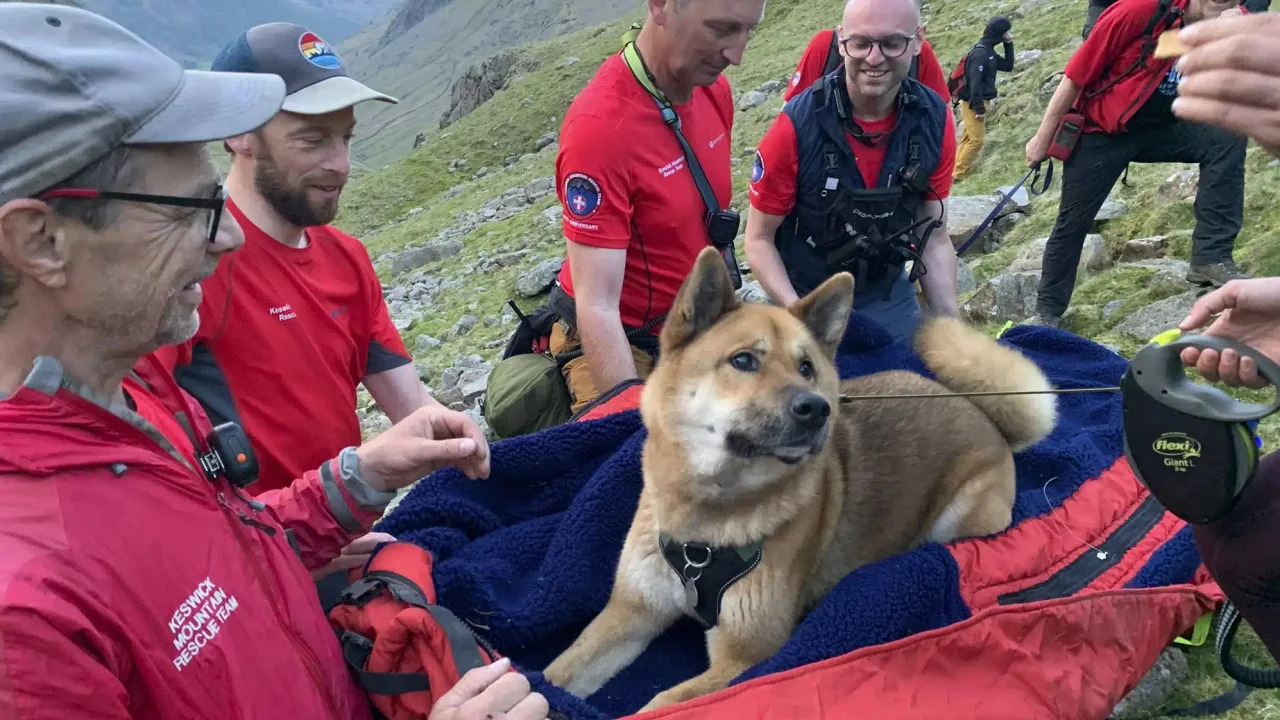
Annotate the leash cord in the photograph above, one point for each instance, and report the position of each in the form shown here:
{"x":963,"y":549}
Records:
{"x":1005,"y":198}
{"x":986,"y":393}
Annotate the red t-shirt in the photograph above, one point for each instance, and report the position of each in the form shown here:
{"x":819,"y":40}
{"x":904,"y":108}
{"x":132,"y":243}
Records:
{"x":153,"y":411}
{"x":1113,"y":46}
{"x":623,"y":182}
{"x":814,"y":61}
{"x":773,"y":185}
{"x":287,"y":334}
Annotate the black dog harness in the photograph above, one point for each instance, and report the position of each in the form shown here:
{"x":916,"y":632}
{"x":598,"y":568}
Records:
{"x":707,"y":572}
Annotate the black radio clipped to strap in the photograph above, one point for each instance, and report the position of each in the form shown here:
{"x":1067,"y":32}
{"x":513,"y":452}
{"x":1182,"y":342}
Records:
{"x":230,"y":454}
{"x":1190,"y":443}
{"x":722,"y":224}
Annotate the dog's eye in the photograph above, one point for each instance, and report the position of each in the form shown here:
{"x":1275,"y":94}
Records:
{"x":806,"y":370}
{"x":746,"y":362}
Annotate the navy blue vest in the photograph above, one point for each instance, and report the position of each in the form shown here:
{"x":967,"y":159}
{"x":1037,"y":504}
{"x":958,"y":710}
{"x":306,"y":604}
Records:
{"x":810,"y":236}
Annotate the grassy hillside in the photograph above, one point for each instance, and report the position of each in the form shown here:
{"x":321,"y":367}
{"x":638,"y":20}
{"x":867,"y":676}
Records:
{"x":413,"y":201}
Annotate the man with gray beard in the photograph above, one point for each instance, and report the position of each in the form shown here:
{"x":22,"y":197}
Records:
{"x":293,"y":322}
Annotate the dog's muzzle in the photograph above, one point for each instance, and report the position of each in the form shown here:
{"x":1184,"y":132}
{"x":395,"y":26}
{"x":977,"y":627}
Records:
{"x":798,"y":431}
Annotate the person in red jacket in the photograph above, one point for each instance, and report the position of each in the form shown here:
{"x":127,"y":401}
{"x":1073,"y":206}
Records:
{"x":821,"y":56}
{"x":137,"y":579}
{"x":1125,"y":97}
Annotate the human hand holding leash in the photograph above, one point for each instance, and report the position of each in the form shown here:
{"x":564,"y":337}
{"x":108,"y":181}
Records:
{"x":431,"y":438}
{"x":489,"y":692}
{"x":1231,"y":76}
{"x":1247,"y":311}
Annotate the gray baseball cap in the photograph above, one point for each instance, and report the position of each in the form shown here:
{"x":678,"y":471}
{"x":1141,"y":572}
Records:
{"x":74,"y":86}
{"x":315,"y":80}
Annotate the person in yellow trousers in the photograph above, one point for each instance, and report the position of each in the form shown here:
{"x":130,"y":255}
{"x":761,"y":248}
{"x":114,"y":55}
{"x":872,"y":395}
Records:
{"x":977,"y":88}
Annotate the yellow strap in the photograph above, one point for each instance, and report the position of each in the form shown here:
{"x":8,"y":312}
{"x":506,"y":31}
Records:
{"x":1166,"y":337}
{"x":1007,"y":325}
{"x":1199,"y":634}
{"x":631,"y":34}
{"x":638,"y":70}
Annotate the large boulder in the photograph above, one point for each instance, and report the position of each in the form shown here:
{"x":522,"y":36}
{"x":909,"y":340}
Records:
{"x":1157,"y":317}
{"x":1011,"y":296}
{"x":1093,"y":256}
{"x":414,"y":258}
{"x":483,"y":80}
{"x":966,"y":212}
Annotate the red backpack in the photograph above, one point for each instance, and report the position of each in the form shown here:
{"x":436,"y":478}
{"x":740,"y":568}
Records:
{"x":405,"y":650}
{"x":955,"y":83}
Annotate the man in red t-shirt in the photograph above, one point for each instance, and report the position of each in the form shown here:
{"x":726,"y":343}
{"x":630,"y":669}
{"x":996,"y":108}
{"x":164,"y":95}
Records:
{"x":835,"y":188}
{"x":293,"y":322}
{"x":633,"y":216}
{"x":1125,"y":97}
{"x":818,"y":60}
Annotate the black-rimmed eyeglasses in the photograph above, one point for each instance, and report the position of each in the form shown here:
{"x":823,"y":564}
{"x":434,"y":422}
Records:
{"x":213,"y":204}
{"x":891,"y":46}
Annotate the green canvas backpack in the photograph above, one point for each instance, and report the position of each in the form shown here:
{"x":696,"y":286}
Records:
{"x":526,"y":393}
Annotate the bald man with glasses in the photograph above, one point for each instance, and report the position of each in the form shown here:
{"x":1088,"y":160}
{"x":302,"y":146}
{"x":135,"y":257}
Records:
{"x":854,"y":175}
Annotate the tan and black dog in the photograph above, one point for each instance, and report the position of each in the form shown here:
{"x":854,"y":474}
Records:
{"x":762,"y":491}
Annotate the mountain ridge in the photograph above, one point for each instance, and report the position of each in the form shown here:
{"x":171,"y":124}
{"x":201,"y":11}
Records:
{"x":418,"y":62}
{"x":193,"y":31}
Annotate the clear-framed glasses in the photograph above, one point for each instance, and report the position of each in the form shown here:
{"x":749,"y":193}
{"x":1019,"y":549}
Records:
{"x":214,"y":205}
{"x":891,"y":46}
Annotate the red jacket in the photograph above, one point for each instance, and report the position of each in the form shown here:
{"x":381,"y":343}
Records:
{"x":1112,"y":48}
{"x":131,"y":586}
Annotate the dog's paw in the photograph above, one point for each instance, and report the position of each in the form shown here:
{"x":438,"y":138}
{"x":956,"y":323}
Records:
{"x":663,"y":699}
{"x":556,"y":674}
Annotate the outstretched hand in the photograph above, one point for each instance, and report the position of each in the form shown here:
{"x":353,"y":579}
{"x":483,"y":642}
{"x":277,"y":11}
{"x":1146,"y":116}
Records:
{"x":1231,"y":76}
{"x":431,"y":438}
{"x":1247,"y":311}
{"x":489,"y":692}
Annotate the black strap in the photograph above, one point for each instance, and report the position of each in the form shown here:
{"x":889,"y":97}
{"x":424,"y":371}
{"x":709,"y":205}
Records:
{"x":1228,"y":623}
{"x":1247,"y":679}
{"x":1148,"y":47}
{"x":834,"y":59}
{"x":631,"y":56}
{"x":462,"y":643}
{"x":356,"y":649}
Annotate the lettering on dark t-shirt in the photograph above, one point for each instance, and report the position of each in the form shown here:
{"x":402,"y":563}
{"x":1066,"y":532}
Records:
{"x":1158,"y":110}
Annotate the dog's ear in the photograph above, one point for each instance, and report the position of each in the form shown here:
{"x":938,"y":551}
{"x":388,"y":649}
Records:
{"x":825,"y":311}
{"x":705,"y":296}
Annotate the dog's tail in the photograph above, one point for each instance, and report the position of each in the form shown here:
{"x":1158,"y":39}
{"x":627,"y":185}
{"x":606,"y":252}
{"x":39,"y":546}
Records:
{"x":966,"y":360}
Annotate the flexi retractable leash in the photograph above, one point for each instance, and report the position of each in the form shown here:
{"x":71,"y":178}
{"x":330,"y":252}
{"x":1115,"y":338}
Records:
{"x":1190,"y":444}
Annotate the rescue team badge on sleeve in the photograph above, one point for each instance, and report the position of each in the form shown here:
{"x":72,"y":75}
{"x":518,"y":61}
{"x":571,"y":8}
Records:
{"x":757,"y":168}
{"x":795,"y":79}
{"x":582,"y":195}
{"x":318,"y":52}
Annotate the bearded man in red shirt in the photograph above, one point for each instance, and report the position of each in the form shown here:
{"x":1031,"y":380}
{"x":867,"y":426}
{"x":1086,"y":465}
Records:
{"x":295,"y":321}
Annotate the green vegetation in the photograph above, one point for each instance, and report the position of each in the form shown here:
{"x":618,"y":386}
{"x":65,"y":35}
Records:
{"x":378,"y":206}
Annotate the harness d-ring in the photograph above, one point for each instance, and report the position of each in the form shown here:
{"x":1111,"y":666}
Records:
{"x":691,"y":563}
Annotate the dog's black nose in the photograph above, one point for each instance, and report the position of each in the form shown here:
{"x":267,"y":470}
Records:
{"x":810,"y":410}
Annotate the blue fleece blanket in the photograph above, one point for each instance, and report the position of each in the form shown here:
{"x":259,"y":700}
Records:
{"x":529,"y":554}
